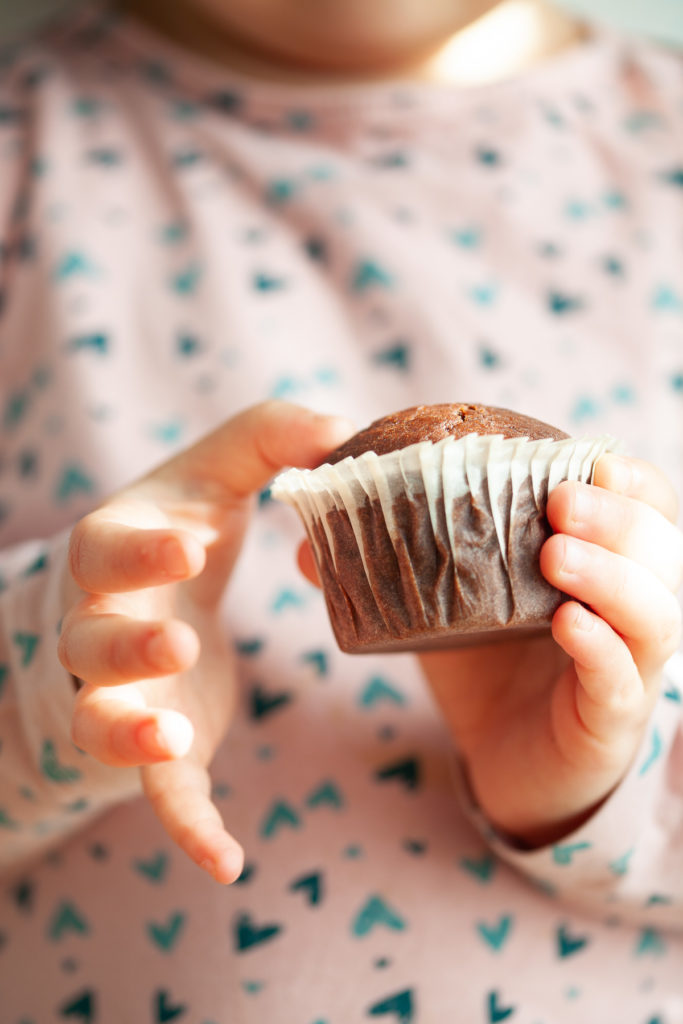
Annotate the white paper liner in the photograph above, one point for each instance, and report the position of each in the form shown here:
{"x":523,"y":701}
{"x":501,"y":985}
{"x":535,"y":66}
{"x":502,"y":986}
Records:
{"x":477,"y":491}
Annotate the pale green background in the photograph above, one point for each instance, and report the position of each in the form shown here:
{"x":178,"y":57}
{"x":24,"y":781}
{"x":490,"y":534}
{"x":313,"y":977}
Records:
{"x":662,"y":19}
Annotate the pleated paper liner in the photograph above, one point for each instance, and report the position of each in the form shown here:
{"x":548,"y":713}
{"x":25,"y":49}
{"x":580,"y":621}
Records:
{"x":436,"y":545}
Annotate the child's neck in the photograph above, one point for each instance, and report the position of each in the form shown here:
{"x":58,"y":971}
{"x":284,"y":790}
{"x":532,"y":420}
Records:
{"x":510,"y":38}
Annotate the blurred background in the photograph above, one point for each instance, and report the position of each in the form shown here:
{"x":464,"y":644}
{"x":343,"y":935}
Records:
{"x":661,"y":19}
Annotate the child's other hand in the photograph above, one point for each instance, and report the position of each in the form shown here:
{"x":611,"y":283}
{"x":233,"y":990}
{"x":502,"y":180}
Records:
{"x":548,"y":727}
{"x":148,"y":569}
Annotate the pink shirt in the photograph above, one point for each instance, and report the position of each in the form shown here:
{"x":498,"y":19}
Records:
{"x":179,"y":242}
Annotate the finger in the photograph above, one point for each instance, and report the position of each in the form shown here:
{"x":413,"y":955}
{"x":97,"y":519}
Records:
{"x":240,"y":458}
{"x":180,"y":795}
{"x":628,"y":597}
{"x":306,"y":562}
{"x":107,"y":556}
{"x":112,"y":649}
{"x":116,"y":728}
{"x":610,"y":699}
{"x":626,"y":526}
{"x":635,"y":478}
{"x":246,"y":451}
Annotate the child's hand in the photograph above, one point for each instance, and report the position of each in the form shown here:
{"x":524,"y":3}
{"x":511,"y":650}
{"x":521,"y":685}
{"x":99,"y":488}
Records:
{"x":145,"y":638}
{"x":546,"y":731}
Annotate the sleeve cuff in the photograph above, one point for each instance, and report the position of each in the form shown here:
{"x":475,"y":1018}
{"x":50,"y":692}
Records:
{"x":627,"y":855}
{"x":49,"y":786}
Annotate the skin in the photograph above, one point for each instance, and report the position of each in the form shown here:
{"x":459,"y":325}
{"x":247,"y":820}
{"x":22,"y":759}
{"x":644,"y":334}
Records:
{"x":317,"y":41}
{"x":546,"y":727}
{"x":143,"y":633}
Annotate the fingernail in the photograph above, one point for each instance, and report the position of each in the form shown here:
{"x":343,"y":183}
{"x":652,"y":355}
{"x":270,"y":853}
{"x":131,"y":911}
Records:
{"x":228,"y":865}
{"x":622,"y":474}
{"x":574,"y":558}
{"x":151,"y":738}
{"x":173,"y":557}
{"x":583,"y":620}
{"x":342,"y":423}
{"x":170,"y":734}
{"x":177,"y":731}
{"x":158,"y":654}
{"x":330,"y":419}
{"x":583,"y":505}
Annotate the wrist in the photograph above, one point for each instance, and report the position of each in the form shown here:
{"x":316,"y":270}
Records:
{"x":528,"y":818}
{"x":535,"y":836}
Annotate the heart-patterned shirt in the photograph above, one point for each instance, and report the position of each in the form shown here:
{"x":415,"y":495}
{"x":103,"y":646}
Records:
{"x":177,"y":242}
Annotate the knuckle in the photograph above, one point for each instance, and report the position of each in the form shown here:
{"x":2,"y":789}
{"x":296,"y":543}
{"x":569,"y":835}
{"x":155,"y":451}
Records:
{"x":623,"y":699}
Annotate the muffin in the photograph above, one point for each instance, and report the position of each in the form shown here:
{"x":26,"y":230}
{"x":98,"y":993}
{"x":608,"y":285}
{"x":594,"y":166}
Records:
{"x":426,"y":527}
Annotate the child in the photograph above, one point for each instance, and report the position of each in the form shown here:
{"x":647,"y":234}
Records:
{"x":212,"y":203}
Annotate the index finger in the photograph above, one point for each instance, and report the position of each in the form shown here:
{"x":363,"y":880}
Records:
{"x":636,"y":478}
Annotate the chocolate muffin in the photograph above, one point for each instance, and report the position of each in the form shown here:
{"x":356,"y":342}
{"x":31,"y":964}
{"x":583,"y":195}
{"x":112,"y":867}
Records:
{"x":437,"y":422}
{"x":427,"y":525}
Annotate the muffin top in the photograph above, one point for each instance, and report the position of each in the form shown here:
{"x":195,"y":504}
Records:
{"x":436,"y":422}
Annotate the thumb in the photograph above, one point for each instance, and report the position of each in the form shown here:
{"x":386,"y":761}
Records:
{"x":242,"y":455}
{"x":237,"y":460}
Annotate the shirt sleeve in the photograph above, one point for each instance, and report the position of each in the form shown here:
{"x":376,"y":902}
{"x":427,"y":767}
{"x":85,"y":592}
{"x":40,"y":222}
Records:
{"x":48,"y":787}
{"x":625,"y":863}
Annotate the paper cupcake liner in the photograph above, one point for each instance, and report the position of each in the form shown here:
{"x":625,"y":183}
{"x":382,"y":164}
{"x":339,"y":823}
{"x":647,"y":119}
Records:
{"x":436,"y":544}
